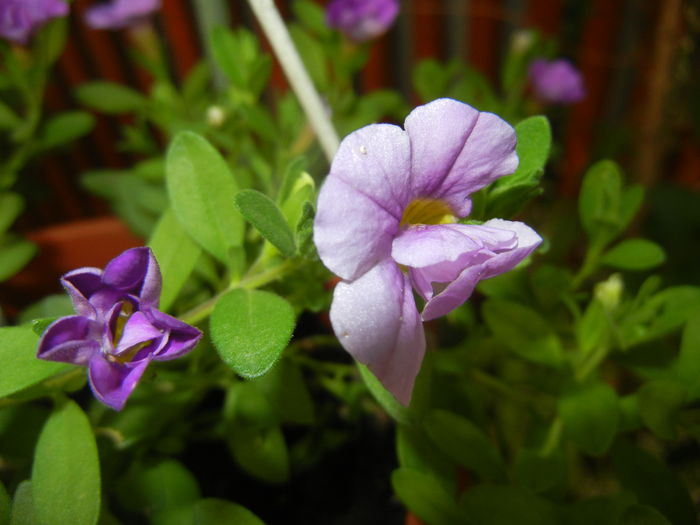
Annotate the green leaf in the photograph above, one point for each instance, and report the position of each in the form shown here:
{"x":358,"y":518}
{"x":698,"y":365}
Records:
{"x":688,"y":364}
{"x":504,"y":505}
{"x":602,"y":510}
{"x":261,"y":211}
{"x":23,"y":506}
{"x":643,"y":515}
{"x":590,"y":415}
{"x":158,"y":488}
{"x":65,"y":127}
{"x":212,"y":511}
{"x":15,"y":254}
{"x":523,"y":331}
{"x":538,"y":472}
{"x":109,"y":97}
{"x":4,"y":506}
{"x":634,"y":254}
{"x":8,"y":118}
{"x":176,"y":254}
{"x":312,"y":16}
{"x":254,"y":435}
{"x":11,"y":205}
{"x":659,"y":404}
{"x":312,"y":54}
{"x":202,"y":192}
{"x":416,"y":451}
{"x":592,"y":328}
{"x":51,"y":306}
{"x":426,"y":498}
{"x":464,"y":442}
{"x":599,"y":201}
{"x":286,"y":390}
{"x":534,"y":143}
{"x":250,"y":328}
{"x":66,"y":470}
{"x":18,"y":356}
{"x":653,"y":483}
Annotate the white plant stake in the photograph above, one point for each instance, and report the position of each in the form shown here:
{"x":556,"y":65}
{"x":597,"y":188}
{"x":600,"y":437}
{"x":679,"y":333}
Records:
{"x":276,"y":32}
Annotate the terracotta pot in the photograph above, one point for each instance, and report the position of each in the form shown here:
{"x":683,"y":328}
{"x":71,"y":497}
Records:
{"x":64,"y":247}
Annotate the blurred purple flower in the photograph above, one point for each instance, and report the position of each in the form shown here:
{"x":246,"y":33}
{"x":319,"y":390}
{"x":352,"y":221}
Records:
{"x":362,"y":20}
{"x":19,"y":19}
{"x":386,"y":224}
{"x":119,"y":14}
{"x":118,"y":329}
{"x":556,"y":81}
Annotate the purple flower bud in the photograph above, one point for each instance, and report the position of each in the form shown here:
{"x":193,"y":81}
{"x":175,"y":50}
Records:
{"x":362,"y":20}
{"x":387,"y":225}
{"x":19,"y":19}
{"x":119,"y":14}
{"x":556,"y":81}
{"x":118,"y":330}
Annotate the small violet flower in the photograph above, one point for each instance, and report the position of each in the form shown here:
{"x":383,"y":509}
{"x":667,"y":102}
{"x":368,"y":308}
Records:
{"x":556,"y":81}
{"x":119,"y":14}
{"x":386,"y":224}
{"x":19,"y":19}
{"x":362,"y":20}
{"x":118,"y":329}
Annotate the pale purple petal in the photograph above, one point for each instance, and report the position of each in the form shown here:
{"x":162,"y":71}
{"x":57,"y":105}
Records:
{"x":556,"y":81}
{"x":351,"y":231}
{"x":181,"y":337}
{"x":376,"y":320}
{"x":118,"y":14}
{"x":438,"y":132}
{"x":439,"y":253}
{"x":135,"y":272}
{"x":375,"y":160}
{"x":111,"y":382}
{"x":361,"y":20}
{"x":68,"y":340}
{"x":489,"y":264}
{"x":137,"y":330}
{"x":19,"y":19}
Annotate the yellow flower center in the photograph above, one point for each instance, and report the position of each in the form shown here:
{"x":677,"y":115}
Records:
{"x":427,"y":211}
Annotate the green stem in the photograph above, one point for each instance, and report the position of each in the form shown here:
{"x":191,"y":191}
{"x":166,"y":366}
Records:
{"x":590,"y":263}
{"x":250,"y":282}
{"x":551,"y":442}
{"x":591,"y":362}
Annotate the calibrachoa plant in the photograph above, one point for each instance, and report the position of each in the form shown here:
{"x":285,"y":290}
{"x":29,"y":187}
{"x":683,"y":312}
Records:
{"x":118,"y":330}
{"x":19,"y":19}
{"x":118,"y":14}
{"x":515,"y":347}
{"x":556,"y":81}
{"x":362,"y":20}
{"x":387,"y":223}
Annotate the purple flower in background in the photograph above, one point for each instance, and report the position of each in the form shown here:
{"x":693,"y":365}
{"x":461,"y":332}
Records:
{"x":119,"y":14}
{"x":118,"y":329}
{"x":362,"y":20}
{"x":386,"y":224}
{"x":556,"y":81}
{"x":19,"y":19}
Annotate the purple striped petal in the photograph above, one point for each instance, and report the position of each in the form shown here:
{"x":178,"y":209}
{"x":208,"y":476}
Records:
{"x":112,"y":383}
{"x":135,"y":272}
{"x":69,"y":340}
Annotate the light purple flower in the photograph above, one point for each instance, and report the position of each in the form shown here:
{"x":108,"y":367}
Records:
{"x":362,"y":20}
{"x":19,"y":19}
{"x":386,"y":224}
{"x":556,"y":81}
{"x":118,"y":330}
{"x":119,"y":14}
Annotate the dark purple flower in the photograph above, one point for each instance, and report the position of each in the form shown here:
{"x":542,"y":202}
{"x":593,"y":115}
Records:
{"x":387,"y":224}
{"x":19,"y":19}
{"x":118,"y":329}
{"x":362,"y":20}
{"x":119,"y":14}
{"x":556,"y":81}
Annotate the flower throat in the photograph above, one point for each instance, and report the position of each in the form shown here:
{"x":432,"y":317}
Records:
{"x":427,"y":211}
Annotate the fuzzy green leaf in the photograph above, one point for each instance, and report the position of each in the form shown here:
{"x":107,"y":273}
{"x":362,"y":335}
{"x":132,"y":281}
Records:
{"x":250,"y":328}
{"x":66,"y":470}
{"x":261,"y":211}
{"x":634,"y":254}
{"x":202,"y":192}
{"x":590,"y":415}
